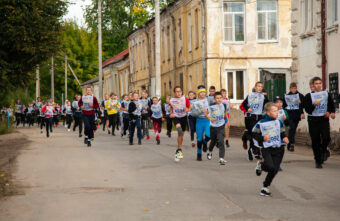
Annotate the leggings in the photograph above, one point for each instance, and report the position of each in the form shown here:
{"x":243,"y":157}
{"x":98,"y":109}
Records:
{"x":78,"y":121}
{"x":145,"y":125}
{"x":168,"y":124}
{"x":112,"y":122}
{"x":157,"y":126}
{"x":125,"y":126}
{"x":202,"y":127}
{"x":48,"y":125}
{"x":42,"y":122}
{"x":68,"y":120}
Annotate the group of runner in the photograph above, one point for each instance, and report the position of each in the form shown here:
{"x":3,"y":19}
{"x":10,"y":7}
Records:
{"x":207,"y":114}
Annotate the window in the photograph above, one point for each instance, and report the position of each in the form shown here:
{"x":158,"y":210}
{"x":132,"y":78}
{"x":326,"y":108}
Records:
{"x":332,"y":12}
{"x":233,"y":13}
{"x":306,"y":15}
{"x":235,"y":84}
{"x":189,"y":32}
{"x":196,"y":30}
{"x":267,"y":20}
{"x":168,"y":38}
{"x":163,"y":42}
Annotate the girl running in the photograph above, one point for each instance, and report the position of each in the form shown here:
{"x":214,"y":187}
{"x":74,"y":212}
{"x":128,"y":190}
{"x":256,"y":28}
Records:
{"x":192,"y":119}
{"x":226,"y":102}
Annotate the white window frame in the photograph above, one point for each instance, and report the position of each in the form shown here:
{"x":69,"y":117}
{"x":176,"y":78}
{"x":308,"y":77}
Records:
{"x":234,"y":83}
{"x":233,"y":22}
{"x":331,"y":21}
{"x":189,"y":30}
{"x":307,"y":22}
{"x":266,"y":12}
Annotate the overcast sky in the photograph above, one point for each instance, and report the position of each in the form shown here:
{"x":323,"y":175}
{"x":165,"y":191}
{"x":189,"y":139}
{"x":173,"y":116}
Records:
{"x":75,"y":10}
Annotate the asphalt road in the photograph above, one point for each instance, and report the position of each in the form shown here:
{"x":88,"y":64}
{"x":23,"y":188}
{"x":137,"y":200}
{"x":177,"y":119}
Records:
{"x":63,"y":180}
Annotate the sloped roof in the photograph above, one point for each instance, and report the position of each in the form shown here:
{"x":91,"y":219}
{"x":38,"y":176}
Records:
{"x":116,"y":58}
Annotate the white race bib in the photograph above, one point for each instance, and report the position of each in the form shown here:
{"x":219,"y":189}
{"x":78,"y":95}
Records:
{"x":272,"y":129}
{"x":322,"y":97}
{"x":255,"y":102}
{"x":217,"y":111}
{"x":292,"y":101}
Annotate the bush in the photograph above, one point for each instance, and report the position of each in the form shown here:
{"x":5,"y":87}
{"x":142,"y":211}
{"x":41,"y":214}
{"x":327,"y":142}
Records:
{"x":4,"y":126}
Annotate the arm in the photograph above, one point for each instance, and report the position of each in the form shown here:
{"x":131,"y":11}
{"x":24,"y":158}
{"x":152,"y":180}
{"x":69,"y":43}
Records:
{"x":302,"y":104}
{"x":95,"y":103}
{"x":257,"y":135}
{"x":80,"y":102}
{"x":187,"y":104}
{"x":309,"y":107}
{"x":132,"y":107}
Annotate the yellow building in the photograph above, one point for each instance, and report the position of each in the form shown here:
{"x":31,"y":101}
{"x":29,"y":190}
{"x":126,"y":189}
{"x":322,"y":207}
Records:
{"x":244,"y":41}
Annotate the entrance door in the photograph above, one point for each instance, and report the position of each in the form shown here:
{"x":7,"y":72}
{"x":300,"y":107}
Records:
{"x":274,"y":83}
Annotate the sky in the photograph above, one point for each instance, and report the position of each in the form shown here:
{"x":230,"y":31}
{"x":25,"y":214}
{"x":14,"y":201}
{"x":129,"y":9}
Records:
{"x":75,"y":11}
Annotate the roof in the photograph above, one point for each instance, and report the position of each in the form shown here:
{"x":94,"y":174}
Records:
{"x":116,"y":58}
{"x":93,"y":80}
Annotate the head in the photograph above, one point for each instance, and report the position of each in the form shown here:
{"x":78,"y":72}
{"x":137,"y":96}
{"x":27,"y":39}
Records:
{"x":202,"y":92}
{"x":167,"y":100}
{"x":271,"y":110}
{"x":155,"y":100}
{"x":191,"y":95}
{"x":218,"y":97}
{"x":68,"y":103}
{"x":112,"y":95}
{"x":125,"y":97}
{"x":311,"y":85}
{"x":278,"y":103}
{"x":78,"y":97}
{"x":18,"y":101}
{"x":135,"y":96}
{"x":115,"y":97}
{"x":317,"y":83}
{"x":293,"y":87}
{"x":212,"y":90}
{"x":106,"y":96}
{"x":89,"y":91}
{"x":144,"y":94}
{"x":258,"y":87}
{"x":130,"y":96}
{"x":178,"y":91}
{"x":224,"y":93}
{"x":38,"y":99}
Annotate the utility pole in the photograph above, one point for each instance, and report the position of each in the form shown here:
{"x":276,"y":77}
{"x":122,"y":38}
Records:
{"x":100,"y":50}
{"x":52,"y":78}
{"x":158,"y":50}
{"x":37,"y":82}
{"x":65,"y":77}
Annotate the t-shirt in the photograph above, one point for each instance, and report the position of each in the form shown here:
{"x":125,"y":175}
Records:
{"x":178,"y":105}
{"x":156,"y":111}
{"x":198,"y":106}
{"x":167,"y":109}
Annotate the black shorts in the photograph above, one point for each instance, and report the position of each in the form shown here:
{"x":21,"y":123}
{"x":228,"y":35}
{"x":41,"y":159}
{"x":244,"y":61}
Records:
{"x":183,"y":121}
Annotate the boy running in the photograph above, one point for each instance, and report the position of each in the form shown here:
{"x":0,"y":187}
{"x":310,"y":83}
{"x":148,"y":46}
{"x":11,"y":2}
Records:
{"x":68,"y":115}
{"x":112,"y":106}
{"x":179,"y":106}
{"x":125,"y":114}
{"x":156,"y":113}
{"x":146,"y":103}
{"x":268,"y":134}
{"x":320,"y":106}
{"x":293,"y":103}
{"x":78,"y":118}
{"x":135,"y":112}
{"x":48,"y":110}
{"x":226,"y":102}
{"x":168,"y":118}
{"x":216,"y":114}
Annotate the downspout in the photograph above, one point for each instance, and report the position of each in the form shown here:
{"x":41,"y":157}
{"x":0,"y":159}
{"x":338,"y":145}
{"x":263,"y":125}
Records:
{"x":149,"y":53}
{"x":204,"y":81}
{"x":323,"y":42}
{"x":173,"y":51}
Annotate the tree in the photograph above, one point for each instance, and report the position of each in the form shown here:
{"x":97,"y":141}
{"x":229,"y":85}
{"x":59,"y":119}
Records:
{"x":29,"y":34}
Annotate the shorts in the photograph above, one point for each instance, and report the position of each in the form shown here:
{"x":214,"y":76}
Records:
{"x":183,"y":121}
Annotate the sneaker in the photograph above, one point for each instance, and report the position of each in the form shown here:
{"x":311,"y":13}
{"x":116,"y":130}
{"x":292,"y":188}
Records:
{"x":199,"y":157}
{"x":113,"y":134}
{"x":265,"y":192}
{"x":291,"y":148}
{"x":89,"y":143}
{"x":318,"y":165}
{"x":227,"y":143}
{"x":108,"y":131}
{"x":147,"y":138}
{"x":68,"y":130}
{"x":250,"y":155}
{"x":47,"y":135}
{"x":193,"y":144}
{"x":158,"y":142}
{"x":85,"y":140}
{"x":169,"y":135}
{"x":209,"y":155}
{"x":245,"y":145}
{"x":178,"y":155}
{"x":80,"y":135}
{"x":139,"y":142}
{"x":41,"y":131}
{"x":258,"y":168}
{"x":280,"y":169}
{"x":121,"y":135}
{"x":130,"y":143}
{"x":222,"y":161}
{"x":326,"y":154}
{"x":205,"y":147}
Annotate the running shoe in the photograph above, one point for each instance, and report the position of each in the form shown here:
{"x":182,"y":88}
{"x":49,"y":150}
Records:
{"x":209,"y":155}
{"x":250,"y":155}
{"x":222,"y":161}
{"x":265,"y":192}
{"x":41,"y":131}
{"x":89,"y":143}
{"x":193,"y":144}
{"x":139,"y":142}
{"x":147,"y":138}
{"x":178,"y":155}
{"x":258,"y":168}
{"x":199,"y":157}
{"x":80,"y":135}
{"x":291,"y":148}
{"x":205,"y":147}
{"x":158,"y":142}
{"x":68,"y":130}
{"x":245,"y":145}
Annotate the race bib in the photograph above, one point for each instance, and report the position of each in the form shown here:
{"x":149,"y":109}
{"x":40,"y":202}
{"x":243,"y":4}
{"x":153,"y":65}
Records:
{"x":86,"y":99}
{"x":198,"y":107}
{"x":281,"y":113}
{"x":292,"y":101}
{"x":178,"y":105}
{"x":322,"y":97}
{"x":255,"y":102}
{"x":156,"y":111}
{"x":217,"y":111}
{"x":271,"y":129}
{"x":138,"y":110}
{"x":167,"y":109}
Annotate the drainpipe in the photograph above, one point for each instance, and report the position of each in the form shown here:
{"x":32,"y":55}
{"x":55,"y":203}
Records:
{"x":204,"y":81}
{"x":323,"y":43}
{"x":149,"y":54}
{"x":173,"y":50}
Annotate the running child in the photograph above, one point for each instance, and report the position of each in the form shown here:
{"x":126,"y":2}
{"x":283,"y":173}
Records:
{"x":282,"y":114}
{"x":125,"y":114}
{"x":156,"y":112}
{"x":18,"y":112}
{"x":106,"y":119}
{"x":48,"y":111}
{"x":146,"y":103}
{"x":254,"y":104}
{"x":202,"y":123}
{"x":192,"y":119}
{"x":77,"y":114}
{"x":216,"y":114}
{"x":179,"y":106}
{"x":112,"y":106}
{"x":68,"y":115}
{"x":210,"y":97}
{"x":269,"y":134}
{"x":226,"y":102}
{"x":320,"y":107}
{"x":168,"y":118}
{"x":30,"y":115}
{"x":293,"y":104}
{"x":135,"y":112}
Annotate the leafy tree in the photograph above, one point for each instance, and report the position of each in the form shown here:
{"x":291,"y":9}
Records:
{"x":29,"y":34}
